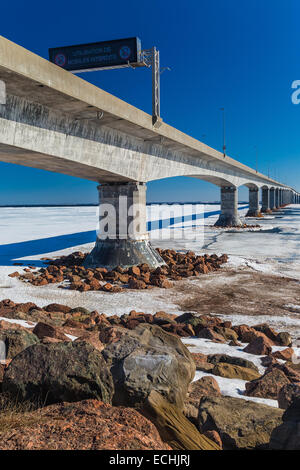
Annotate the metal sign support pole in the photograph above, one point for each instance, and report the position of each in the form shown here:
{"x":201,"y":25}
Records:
{"x":150,"y":58}
{"x":155,"y":86}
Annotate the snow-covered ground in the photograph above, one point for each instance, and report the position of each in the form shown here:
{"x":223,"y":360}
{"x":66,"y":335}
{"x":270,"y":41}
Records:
{"x":231,"y":387}
{"x":28,"y":234}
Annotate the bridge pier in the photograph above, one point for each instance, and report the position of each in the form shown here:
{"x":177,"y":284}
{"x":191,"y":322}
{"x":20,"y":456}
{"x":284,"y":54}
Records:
{"x":280,"y":197}
{"x":272,"y":199}
{"x":122,"y":239}
{"x":265,"y":192}
{"x":253,"y":203}
{"x":229,"y":216}
{"x":277,"y":203}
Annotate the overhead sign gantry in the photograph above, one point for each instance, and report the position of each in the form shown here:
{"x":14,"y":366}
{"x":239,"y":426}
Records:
{"x":105,"y":55}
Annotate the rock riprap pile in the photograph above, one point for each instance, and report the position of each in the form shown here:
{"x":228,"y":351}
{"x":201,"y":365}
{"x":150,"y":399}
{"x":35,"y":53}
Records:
{"x":86,"y":367}
{"x":70,"y":272}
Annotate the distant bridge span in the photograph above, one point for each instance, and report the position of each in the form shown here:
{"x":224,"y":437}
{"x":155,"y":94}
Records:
{"x":56,"y":121}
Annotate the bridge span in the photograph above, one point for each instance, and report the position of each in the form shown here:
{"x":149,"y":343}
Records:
{"x":53,"y":120}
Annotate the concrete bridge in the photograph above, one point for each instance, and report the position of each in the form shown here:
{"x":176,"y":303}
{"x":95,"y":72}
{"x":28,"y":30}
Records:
{"x":54,"y":120}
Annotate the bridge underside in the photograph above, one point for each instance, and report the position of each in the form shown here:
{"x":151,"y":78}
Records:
{"x":23,"y":157}
{"x":34,"y":135}
{"x":55,"y":121}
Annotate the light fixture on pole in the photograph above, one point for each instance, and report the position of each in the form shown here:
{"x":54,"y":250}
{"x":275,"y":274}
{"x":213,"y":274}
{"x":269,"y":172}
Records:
{"x":224,"y":134}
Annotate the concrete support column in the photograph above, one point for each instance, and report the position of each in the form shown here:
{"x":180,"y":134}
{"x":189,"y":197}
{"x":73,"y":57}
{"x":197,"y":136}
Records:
{"x":122,"y":239}
{"x":272,"y":199}
{"x":277,"y":203}
{"x":229,"y":208}
{"x":265,"y":192}
{"x":280,"y":196}
{"x":253,"y":203}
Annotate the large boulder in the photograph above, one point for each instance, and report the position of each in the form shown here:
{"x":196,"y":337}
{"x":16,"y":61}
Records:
{"x":227,"y":333}
{"x":42,"y":330}
{"x":240,"y":424}
{"x":16,"y":340}
{"x":268,"y":385}
{"x":287,"y":394}
{"x":285,"y":355}
{"x":267,"y":330}
{"x":206,"y":386}
{"x":289,"y":369}
{"x":260,"y":346}
{"x":148,"y":358}
{"x":85,"y":425}
{"x":231,"y":371}
{"x":57,"y":372}
{"x":286,"y":436}
{"x":173,"y":426}
{"x":284,"y":339}
{"x":210,"y":333}
{"x":235,"y":360}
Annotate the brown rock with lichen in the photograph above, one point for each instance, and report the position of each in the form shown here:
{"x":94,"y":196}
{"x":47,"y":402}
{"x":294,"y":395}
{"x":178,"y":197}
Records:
{"x":85,"y":425}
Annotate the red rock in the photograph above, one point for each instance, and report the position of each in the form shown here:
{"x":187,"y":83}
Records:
{"x":84,"y":287}
{"x":26,"y":307}
{"x":124,"y":278}
{"x":215,"y":437}
{"x":102,"y":319}
{"x":84,"y":425}
{"x":94,"y":284}
{"x":136,"y":284}
{"x":134,"y":271}
{"x":144,"y":268}
{"x":43,"y":329}
{"x":93,"y":339}
{"x":162,"y":318}
{"x":70,"y":323}
{"x":107,"y":287}
{"x":209,"y":333}
{"x":132,"y":324}
{"x":285,"y":355}
{"x":268,"y":361}
{"x":287,"y":394}
{"x":267,"y":330}
{"x":41,"y":282}
{"x":226,"y":324}
{"x":268,"y":385}
{"x":259,"y":346}
{"x":57,"y":308}
{"x":111,"y":334}
{"x":7,"y":303}
{"x":206,"y":386}
{"x":292,"y":375}
{"x":14,"y":274}
{"x":98,"y":276}
{"x":176,"y":329}
{"x":165,"y":284}
{"x":5,"y":325}
{"x":199,"y":358}
{"x":76,"y":285}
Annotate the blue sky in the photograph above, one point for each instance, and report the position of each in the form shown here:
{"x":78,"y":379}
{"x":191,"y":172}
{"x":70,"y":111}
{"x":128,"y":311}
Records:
{"x":240,"y":54}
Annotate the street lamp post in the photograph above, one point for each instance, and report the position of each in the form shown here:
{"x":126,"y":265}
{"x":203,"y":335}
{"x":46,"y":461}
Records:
{"x":224,"y":132}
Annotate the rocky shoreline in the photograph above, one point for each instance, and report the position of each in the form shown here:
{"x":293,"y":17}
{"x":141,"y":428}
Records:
{"x":81,"y":370}
{"x":71,"y":274}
